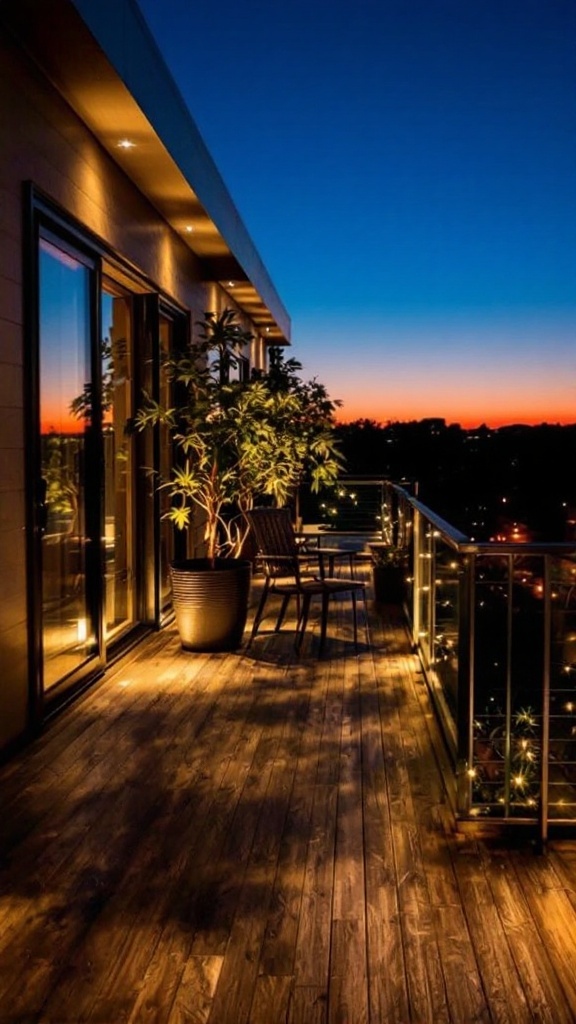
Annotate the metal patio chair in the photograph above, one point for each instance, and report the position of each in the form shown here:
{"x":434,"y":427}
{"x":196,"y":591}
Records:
{"x":287,"y":572}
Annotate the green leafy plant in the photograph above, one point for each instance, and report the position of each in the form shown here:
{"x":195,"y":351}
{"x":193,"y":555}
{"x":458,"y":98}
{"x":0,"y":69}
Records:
{"x":238,"y":441}
{"x":387,"y":556}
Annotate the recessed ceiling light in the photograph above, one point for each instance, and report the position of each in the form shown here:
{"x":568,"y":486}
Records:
{"x":189,"y":229}
{"x":126,"y":144}
{"x":230,"y":284}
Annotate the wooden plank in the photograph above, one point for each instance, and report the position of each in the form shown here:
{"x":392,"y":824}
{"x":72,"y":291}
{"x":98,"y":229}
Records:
{"x":347,"y":995}
{"x":348,"y":988}
{"x":425,"y":979}
{"x":279,"y":947}
{"x":195,"y":996}
{"x":348,"y":860}
{"x":271,"y":999}
{"x":554,"y":916}
{"x":312,"y":959}
{"x":235,"y":993}
{"x":502,"y":985}
{"x":309,"y":1005}
{"x":544,"y":993}
{"x":387,"y":991}
{"x":462,"y":978}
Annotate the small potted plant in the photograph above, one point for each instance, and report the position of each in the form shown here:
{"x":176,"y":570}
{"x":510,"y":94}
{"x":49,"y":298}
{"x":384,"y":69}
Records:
{"x":236,"y":441}
{"x":388,"y":568}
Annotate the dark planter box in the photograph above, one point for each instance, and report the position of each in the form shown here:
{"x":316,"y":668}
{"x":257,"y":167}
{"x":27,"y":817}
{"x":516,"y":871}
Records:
{"x":388,"y":583}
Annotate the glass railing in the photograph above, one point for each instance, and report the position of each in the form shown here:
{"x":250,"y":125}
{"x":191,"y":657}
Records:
{"x":494,"y":625}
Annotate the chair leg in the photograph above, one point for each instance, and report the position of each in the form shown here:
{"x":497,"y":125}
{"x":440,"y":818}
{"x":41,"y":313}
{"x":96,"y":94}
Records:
{"x":259,"y":611}
{"x":282,"y":611}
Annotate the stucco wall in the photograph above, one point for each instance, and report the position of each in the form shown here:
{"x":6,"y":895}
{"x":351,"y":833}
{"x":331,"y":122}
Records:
{"x":43,"y":141}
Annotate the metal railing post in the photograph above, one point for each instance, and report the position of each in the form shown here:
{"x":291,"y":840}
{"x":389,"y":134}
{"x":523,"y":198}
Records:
{"x":545,"y":739}
{"x":466,"y":686}
{"x":417,"y":580}
{"x":508,"y":698}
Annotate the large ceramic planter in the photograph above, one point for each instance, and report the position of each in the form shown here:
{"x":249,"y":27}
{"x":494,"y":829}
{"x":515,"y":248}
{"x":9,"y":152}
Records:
{"x":211,"y":602}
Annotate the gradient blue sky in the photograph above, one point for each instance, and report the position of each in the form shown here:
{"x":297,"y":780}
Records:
{"x":407,"y":170}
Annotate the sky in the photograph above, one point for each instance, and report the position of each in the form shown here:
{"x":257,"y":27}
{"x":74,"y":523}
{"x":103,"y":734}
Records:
{"x":407,"y":172}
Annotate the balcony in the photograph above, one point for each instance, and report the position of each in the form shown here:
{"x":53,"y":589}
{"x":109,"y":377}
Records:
{"x":256,"y":837}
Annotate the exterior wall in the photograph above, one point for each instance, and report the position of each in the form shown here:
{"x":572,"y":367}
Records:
{"x":43,"y":141}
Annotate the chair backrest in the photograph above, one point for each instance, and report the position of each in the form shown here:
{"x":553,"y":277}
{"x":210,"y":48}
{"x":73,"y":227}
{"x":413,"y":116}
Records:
{"x":274,"y":535}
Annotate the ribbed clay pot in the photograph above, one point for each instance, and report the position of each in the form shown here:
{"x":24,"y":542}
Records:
{"x":211,"y":602}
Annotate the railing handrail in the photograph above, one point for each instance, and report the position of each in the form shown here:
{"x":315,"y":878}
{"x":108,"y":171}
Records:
{"x":464,"y":545}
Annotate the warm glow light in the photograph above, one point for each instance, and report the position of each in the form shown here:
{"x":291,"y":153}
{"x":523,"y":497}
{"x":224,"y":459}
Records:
{"x":126,"y":144}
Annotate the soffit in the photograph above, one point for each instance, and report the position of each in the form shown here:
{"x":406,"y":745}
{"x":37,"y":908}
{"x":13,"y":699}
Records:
{"x":58,"y":39}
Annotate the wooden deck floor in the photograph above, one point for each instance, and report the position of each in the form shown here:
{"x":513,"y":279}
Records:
{"x":252,"y":838}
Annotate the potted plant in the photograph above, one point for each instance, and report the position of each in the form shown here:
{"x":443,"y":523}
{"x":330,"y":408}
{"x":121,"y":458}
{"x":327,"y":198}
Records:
{"x":235,"y":442}
{"x":388,"y":567}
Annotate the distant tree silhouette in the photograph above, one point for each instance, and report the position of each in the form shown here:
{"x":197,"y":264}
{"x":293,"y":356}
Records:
{"x":480,"y":480}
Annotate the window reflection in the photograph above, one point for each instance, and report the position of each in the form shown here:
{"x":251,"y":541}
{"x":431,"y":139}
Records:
{"x":117,"y":387}
{"x":65,"y":419}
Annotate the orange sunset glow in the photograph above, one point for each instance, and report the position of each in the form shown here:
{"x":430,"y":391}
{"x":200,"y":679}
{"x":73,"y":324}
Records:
{"x":494,"y":370}
{"x":454,"y":409}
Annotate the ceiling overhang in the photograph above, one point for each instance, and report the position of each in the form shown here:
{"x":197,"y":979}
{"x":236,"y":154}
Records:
{"x":104,"y":62}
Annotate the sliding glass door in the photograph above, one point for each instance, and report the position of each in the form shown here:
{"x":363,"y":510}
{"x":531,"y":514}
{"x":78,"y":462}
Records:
{"x":69,"y":485}
{"x":99,"y":547}
{"x":88,"y":596}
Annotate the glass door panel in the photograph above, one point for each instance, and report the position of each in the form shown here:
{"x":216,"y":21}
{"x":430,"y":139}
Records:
{"x":166,"y":331}
{"x":119,"y":462}
{"x":68,"y":627}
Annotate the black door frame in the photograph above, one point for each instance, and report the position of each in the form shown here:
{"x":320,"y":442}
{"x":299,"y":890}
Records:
{"x":41,"y":215}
